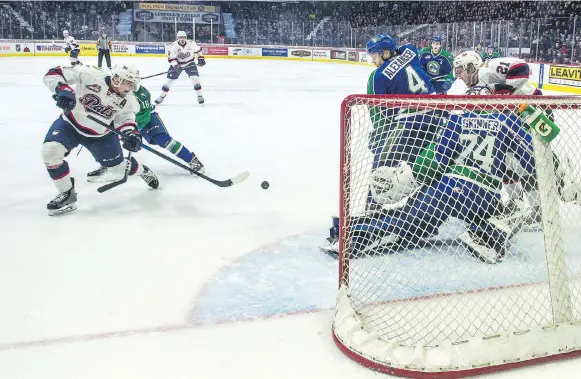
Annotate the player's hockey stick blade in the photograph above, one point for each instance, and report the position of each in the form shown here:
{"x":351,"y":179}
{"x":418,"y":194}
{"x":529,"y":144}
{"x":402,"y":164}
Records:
{"x":154,"y":75}
{"x":220,"y":183}
{"x":112,"y":185}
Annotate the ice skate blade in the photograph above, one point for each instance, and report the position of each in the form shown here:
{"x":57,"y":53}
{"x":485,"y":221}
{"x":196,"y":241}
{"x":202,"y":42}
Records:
{"x":64,"y":210}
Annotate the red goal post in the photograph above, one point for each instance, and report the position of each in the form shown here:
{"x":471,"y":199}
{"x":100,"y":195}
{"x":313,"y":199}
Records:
{"x":433,"y":311}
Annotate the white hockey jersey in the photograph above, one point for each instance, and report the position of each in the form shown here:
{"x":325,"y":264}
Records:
{"x":71,"y":42}
{"x":508,"y":74}
{"x":183,"y":55}
{"x":95,"y":97}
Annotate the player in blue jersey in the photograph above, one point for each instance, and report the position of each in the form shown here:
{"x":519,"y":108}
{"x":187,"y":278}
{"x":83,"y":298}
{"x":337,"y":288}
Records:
{"x":438,"y":64}
{"x":397,"y":134}
{"x":460,"y":175}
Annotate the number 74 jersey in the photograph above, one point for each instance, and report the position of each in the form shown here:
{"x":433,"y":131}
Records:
{"x":474,"y":147}
{"x":510,"y":74}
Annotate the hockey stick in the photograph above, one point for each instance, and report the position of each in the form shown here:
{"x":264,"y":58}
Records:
{"x":109,"y":186}
{"x":154,"y":75}
{"x":220,"y":183}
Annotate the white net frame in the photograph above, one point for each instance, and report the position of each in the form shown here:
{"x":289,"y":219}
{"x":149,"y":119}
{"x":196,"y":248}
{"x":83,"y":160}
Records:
{"x":436,"y":311}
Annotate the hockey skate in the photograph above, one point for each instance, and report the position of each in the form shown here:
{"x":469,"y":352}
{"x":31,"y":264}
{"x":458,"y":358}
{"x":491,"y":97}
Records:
{"x":483,"y":246}
{"x":149,"y":177}
{"x":159,"y":100}
{"x":64,"y":202}
{"x":105,"y":175}
{"x":201,"y":100}
{"x":196,"y":165}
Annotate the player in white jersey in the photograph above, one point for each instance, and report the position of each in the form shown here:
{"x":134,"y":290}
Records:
{"x":108,"y":98}
{"x":503,"y":76}
{"x":72,"y":48}
{"x":181,"y":56}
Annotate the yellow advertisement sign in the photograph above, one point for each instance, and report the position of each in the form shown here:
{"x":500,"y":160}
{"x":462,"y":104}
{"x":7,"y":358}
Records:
{"x":565,"y":75}
{"x":88,"y":49}
{"x":177,"y":7}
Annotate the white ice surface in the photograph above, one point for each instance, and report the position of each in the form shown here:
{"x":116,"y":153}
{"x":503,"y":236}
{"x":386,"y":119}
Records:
{"x":131,"y":285}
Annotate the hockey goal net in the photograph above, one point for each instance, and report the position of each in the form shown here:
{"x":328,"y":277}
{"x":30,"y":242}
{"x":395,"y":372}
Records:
{"x":414,"y":300}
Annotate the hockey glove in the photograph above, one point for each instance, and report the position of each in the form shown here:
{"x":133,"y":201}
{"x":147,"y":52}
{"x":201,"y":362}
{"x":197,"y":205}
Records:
{"x":503,"y":89}
{"x":67,"y":49}
{"x":65,"y":97}
{"x":201,"y":61}
{"x":132,"y":141}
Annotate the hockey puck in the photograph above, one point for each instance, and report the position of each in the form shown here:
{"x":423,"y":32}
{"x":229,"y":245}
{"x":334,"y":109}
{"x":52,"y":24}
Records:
{"x":265,"y":185}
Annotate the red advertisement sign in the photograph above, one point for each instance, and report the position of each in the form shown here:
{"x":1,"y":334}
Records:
{"x":215,"y":50}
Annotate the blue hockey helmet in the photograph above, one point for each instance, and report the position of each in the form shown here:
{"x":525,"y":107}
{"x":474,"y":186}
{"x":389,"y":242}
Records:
{"x":437,"y":39}
{"x":380,"y":43}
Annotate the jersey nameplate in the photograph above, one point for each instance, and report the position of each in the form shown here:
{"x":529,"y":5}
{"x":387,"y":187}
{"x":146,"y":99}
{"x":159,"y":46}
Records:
{"x":481,"y":124}
{"x":398,"y":63}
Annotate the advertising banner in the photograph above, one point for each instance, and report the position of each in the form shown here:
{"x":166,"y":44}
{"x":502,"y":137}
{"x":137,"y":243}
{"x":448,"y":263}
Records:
{"x":16,"y":48}
{"x":88,"y":49}
{"x":300,"y":53}
{"x":565,"y":75}
{"x":215,"y":50}
{"x":363,"y":57}
{"x":338,"y":54}
{"x":245,"y":51}
{"x":353,"y":56}
{"x":274,"y":52}
{"x":49,"y":49}
{"x":178,"y":7}
{"x":122,"y":49}
{"x":149,"y":49}
{"x":141,"y":15}
{"x":321,"y":54}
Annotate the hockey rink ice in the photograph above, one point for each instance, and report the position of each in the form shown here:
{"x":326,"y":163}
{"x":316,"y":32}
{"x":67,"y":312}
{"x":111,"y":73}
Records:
{"x":191,"y":280}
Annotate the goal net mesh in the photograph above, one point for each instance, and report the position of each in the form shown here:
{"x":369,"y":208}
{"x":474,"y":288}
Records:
{"x":421,"y":179}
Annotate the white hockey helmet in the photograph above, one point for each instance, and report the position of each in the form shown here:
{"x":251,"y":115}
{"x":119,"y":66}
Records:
{"x":466,"y":67}
{"x":65,"y":33}
{"x":182,"y":36}
{"x":125,"y":73}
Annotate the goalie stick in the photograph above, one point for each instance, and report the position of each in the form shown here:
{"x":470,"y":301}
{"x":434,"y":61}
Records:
{"x":220,"y":183}
{"x":109,"y":186}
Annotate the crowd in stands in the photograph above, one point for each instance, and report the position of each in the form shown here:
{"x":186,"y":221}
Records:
{"x":542,"y":30}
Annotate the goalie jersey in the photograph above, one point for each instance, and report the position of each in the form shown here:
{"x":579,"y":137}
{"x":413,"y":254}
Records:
{"x":473,"y":147}
{"x":506,"y":76}
{"x":183,"y":55}
{"x":402,"y":74}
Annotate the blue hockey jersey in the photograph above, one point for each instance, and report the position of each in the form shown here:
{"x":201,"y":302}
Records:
{"x":473,"y":147}
{"x":402,"y":74}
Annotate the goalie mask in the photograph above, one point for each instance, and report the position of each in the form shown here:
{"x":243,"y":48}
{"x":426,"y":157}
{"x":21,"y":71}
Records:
{"x":466,"y":67}
{"x":390,"y":185}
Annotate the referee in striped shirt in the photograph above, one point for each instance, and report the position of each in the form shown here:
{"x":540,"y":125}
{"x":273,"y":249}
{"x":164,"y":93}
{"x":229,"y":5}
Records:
{"x":104,"y":47}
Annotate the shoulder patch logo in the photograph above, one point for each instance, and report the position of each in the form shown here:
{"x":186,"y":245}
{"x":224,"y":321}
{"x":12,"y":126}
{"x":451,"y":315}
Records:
{"x":94,"y":88}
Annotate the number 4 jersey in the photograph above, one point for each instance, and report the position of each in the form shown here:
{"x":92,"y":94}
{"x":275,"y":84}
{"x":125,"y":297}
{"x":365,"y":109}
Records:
{"x":474,"y":147}
{"x":506,"y":76}
{"x":402,"y":74}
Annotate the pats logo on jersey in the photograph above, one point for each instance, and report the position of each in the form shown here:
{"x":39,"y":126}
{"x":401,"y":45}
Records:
{"x":92,"y":104}
{"x":182,"y":55}
{"x":94,"y":88}
{"x":433,"y":67}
